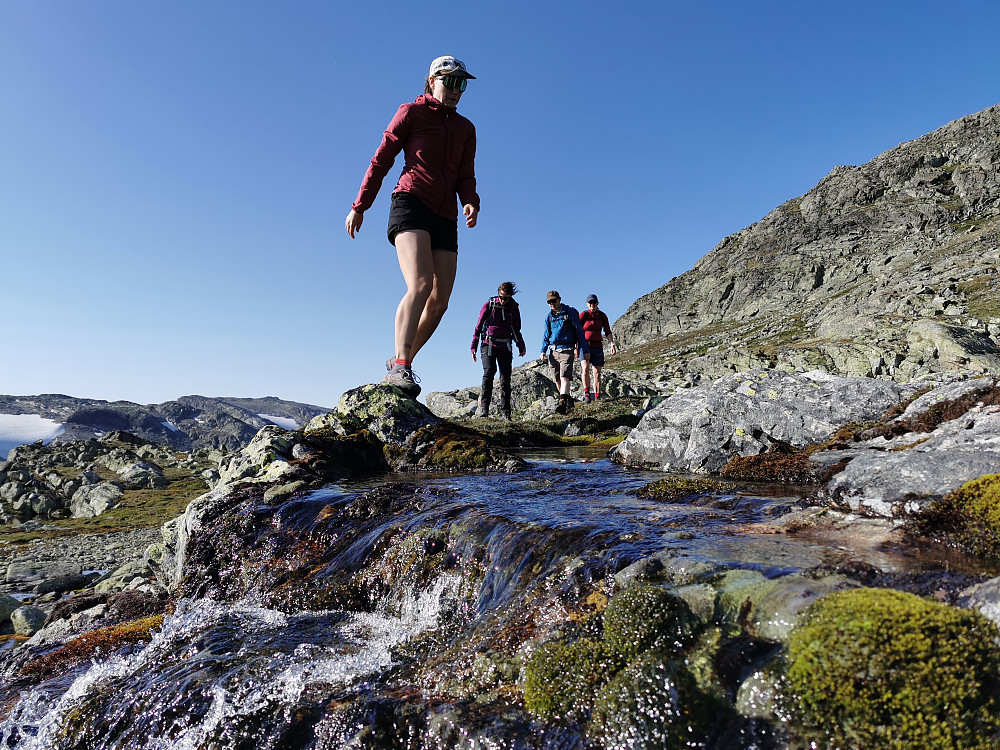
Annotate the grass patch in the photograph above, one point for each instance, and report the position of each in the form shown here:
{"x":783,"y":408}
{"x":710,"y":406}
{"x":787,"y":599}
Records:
{"x":982,"y":296}
{"x":137,"y":509}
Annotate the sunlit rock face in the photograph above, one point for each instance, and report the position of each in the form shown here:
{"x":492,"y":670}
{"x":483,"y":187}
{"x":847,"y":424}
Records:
{"x":882,"y":270}
{"x":702,"y":428}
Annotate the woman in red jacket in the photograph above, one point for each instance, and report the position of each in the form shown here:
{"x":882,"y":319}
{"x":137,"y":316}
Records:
{"x":439,"y":146}
{"x":595,"y":323}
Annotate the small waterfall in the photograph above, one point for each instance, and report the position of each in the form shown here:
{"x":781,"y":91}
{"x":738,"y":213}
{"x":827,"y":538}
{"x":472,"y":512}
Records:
{"x":402,"y":617}
{"x":215,"y":673}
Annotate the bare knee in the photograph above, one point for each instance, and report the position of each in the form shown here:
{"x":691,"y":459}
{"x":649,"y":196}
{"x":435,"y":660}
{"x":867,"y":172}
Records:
{"x":435,"y":307}
{"x":419,"y":292}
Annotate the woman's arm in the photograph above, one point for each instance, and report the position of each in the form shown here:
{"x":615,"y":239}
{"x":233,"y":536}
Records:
{"x":393,"y":139}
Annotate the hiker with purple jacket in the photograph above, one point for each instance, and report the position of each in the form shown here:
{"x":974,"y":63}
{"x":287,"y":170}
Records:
{"x":499,"y":329}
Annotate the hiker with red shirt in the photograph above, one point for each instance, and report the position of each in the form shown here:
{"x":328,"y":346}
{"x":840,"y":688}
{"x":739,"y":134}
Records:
{"x":499,"y":327}
{"x":439,"y":146}
{"x":595,"y":323}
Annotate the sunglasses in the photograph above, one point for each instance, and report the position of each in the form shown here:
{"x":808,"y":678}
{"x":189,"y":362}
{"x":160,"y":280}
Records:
{"x":454,"y":83}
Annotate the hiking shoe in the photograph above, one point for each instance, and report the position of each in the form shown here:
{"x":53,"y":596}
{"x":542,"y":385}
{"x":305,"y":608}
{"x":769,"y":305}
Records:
{"x":483,"y":411}
{"x":404,"y":379}
{"x":587,"y":398}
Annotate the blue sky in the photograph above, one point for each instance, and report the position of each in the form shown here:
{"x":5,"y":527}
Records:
{"x":174,"y":176}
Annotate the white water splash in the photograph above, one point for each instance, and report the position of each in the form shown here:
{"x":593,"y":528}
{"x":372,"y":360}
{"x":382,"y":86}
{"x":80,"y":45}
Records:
{"x":363,"y":648}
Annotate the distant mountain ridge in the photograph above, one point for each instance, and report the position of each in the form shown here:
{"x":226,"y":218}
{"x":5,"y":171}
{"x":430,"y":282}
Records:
{"x":885,"y":270}
{"x":189,"y":423}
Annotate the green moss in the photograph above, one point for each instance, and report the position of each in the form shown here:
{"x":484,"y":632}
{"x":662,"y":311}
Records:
{"x":562,"y":680}
{"x":609,"y":442}
{"x":773,"y":466}
{"x":640,"y":618}
{"x":877,"y":668}
{"x":654,"y":704}
{"x":981,"y":296}
{"x":673,"y":488}
{"x":969,"y":517}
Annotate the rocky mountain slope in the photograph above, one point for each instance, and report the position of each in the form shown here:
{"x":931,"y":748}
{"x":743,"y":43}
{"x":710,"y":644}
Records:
{"x":189,"y":423}
{"x":885,"y":270}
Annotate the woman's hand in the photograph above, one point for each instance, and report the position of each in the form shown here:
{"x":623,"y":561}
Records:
{"x":353,"y":222}
{"x":471,"y":214}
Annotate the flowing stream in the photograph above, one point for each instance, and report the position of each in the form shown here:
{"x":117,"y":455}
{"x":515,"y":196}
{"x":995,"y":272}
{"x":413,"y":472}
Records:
{"x":270,"y":649}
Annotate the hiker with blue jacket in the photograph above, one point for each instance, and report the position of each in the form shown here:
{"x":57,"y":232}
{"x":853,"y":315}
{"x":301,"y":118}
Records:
{"x":563,"y":341}
{"x":499,"y":328}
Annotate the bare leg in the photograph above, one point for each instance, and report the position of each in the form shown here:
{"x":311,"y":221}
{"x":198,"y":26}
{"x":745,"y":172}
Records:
{"x":585,"y":364}
{"x":445,"y":268}
{"x":416,"y":261}
{"x":597,"y":379}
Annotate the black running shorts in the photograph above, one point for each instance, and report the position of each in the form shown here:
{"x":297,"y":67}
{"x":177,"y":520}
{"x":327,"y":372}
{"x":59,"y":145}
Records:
{"x":409,"y":212}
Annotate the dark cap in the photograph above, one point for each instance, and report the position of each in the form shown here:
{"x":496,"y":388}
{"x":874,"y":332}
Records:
{"x":591,"y":298}
{"x":553,"y":295}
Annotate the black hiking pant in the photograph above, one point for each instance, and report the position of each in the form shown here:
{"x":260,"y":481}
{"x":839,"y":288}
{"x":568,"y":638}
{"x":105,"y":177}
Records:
{"x":501,"y":357}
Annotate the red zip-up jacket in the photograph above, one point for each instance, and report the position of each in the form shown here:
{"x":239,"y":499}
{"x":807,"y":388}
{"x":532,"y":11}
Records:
{"x":440,"y":150}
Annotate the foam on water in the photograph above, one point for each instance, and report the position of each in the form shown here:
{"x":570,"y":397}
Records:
{"x":299,"y":652}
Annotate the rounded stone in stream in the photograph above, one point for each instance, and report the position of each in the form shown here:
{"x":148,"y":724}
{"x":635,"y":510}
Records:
{"x":655,"y":703}
{"x":640,"y":618}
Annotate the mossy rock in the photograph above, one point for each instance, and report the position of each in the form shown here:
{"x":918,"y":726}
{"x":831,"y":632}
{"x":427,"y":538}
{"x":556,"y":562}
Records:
{"x":675,"y":488}
{"x":740,"y":591}
{"x":640,"y":618}
{"x":562,"y":680}
{"x":773,"y":466}
{"x":968,"y":517}
{"x":876,"y":668}
{"x":447,"y":446}
{"x":655,"y":703}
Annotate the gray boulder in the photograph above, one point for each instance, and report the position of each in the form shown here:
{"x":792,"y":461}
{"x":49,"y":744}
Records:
{"x":984,"y":597}
{"x":896,"y":477}
{"x":7,"y":605}
{"x":385,"y":412}
{"x":701,"y":428}
{"x":133,"y":472}
{"x":94,"y":499}
{"x":27,"y":620}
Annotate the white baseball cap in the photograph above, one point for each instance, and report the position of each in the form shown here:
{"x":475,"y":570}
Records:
{"x":446,"y":65}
